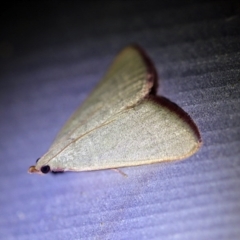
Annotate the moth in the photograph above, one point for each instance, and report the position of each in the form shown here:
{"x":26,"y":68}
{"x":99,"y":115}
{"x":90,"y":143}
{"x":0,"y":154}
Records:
{"x":122,"y":123}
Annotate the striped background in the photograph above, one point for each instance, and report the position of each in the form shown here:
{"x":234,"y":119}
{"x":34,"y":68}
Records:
{"x":51,"y":57}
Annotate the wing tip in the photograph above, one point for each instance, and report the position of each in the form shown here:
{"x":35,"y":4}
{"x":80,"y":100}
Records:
{"x":152,"y":77}
{"x":181,"y":113}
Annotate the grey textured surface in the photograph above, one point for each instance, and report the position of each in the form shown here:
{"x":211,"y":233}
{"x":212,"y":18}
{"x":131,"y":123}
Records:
{"x":51,"y":58}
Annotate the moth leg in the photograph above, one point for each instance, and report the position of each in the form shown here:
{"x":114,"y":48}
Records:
{"x":119,"y":171}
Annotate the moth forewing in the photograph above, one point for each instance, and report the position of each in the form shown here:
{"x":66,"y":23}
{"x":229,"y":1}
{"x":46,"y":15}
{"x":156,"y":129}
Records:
{"x":122,"y":123}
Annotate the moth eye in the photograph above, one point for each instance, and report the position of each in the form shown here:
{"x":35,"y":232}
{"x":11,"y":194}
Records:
{"x":45,"y":169}
{"x":37,"y":160}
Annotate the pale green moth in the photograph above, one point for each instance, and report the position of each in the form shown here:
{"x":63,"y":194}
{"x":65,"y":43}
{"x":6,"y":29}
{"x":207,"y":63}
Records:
{"x":122,"y":123}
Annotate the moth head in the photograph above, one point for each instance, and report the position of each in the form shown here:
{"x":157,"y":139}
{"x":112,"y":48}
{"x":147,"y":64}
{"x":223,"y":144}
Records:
{"x":43,"y":168}
{"x":39,"y":168}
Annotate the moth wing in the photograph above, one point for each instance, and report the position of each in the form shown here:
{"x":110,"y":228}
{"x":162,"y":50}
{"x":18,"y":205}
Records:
{"x":130,"y":78}
{"x":153,"y":131}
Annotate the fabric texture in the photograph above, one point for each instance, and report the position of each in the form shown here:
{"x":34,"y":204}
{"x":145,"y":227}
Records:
{"x":51,"y":57}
